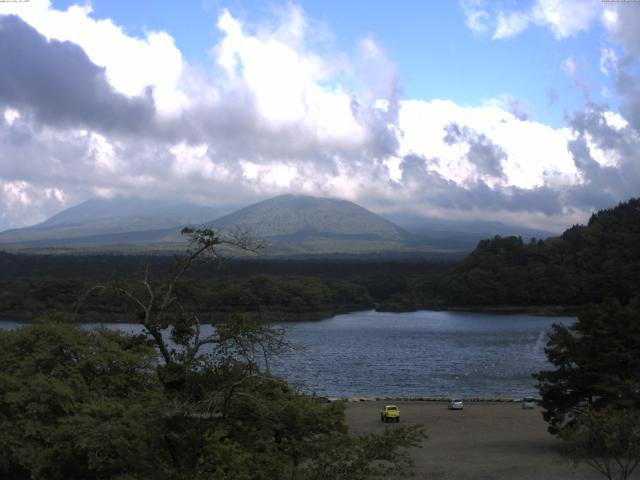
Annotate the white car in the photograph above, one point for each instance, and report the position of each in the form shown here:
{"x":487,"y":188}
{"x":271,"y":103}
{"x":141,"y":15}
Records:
{"x":455,"y":404}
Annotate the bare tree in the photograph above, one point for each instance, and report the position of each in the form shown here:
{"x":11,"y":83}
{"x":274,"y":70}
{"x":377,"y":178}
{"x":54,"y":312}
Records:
{"x":177,"y":330}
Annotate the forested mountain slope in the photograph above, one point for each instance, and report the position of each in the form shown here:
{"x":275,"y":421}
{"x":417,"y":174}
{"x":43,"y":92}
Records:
{"x":586,"y":264}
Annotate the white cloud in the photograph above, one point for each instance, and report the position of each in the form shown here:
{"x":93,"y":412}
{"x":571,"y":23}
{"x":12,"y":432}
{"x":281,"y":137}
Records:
{"x":510,"y":24}
{"x":10,"y":116}
{"x":565,"y":18}
{"x":22,"y":203}
{"x":534,"y":151}
{"x":103,"y":153}
{"x":271,"y":115}
{"x":609,"y":18}
{"x":286,"y":82}
{"x":615,"y":120}
{"x":476,"y":18}
{"x":132,"y":64}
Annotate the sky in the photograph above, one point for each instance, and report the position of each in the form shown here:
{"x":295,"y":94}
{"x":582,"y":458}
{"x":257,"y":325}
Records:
{"x":526,"y":112}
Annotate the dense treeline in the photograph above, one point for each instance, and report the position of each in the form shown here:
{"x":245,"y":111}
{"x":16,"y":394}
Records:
{"x":272,"y":297}
{"x":586,"y":264}
{"x":111,"y":266}
{"x":277,"y":289}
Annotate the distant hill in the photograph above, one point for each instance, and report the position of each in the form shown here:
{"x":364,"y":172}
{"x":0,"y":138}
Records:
{"x":428,"y":226}
{"x":292,"y":225}
{"x":299,"y":224}
{"x":462,"y":235}
{"x":156,"y":214}
{"x":106,"y":221}
{"x":301,"y":216}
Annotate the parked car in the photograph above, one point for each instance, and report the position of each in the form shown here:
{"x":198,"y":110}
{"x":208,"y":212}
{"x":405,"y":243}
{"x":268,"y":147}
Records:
{"x":528,"y":403}
{"x":390,"y":413}
{"x":455,"y":404}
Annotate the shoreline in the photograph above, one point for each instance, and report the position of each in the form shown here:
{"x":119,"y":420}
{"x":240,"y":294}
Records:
{"x":533,"y":310}
{"x":547,"y":311}
{"x":470,"y":400}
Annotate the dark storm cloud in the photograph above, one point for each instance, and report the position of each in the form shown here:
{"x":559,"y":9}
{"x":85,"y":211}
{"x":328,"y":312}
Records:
{"x":59,"y":84}
{"x":628,"y":88}
{"x":380,"y":124}
{"x":586,"y":198}
{"x":28,"y":154}
{"x":483,"y":153}
{"x":626,"y":27}
{"x":626,"y":32}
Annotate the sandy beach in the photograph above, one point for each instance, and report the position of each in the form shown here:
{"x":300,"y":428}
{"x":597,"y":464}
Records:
{"x":485,"y":441}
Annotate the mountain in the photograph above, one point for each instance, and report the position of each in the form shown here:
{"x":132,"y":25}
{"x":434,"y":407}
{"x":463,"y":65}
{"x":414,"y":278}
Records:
{"x":461,"y":234}
{"x":300,"y":216}
{"x":106,"y":221}
{"x":297,"y":224}
{"x":131,"y":213}
{"x":426,"y":225}
{"x":290,"y":224}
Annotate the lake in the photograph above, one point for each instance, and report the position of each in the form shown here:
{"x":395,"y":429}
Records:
{"x":424,"y":353}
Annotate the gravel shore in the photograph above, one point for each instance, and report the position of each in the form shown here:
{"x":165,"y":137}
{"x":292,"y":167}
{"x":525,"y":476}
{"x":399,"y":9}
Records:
{"x":485,"y":441}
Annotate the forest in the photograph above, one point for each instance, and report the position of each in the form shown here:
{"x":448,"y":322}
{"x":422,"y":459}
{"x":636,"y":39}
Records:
{"x":586,"y":264}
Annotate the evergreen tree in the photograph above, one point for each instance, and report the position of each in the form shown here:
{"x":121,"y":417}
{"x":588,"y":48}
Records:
{"x":597,"y":364}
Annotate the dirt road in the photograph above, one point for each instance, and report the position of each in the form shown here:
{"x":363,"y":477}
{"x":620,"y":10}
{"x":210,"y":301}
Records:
{"x":485,"y":441}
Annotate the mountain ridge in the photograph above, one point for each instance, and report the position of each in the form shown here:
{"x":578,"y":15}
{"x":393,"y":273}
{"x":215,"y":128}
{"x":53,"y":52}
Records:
{"x":119,"y":215}
{"x":290,"y":224}
{"x":290,"y":215}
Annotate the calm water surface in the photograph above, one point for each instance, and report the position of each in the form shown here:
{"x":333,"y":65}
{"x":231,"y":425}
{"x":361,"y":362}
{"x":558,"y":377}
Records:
{"x":410,"y":354}
{"x":420,"y":353}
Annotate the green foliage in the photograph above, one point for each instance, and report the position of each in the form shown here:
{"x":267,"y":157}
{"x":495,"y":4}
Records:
{"x":284,"y":296}
{"x":276,"y":297}
{"x":586,"y":264}
{"x":272,"y":428}
{"x":597,"y":364}
{"x":77,"y":404}
{"x":608,"y":440}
